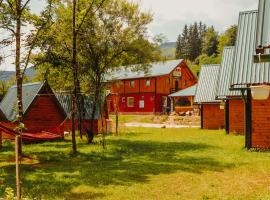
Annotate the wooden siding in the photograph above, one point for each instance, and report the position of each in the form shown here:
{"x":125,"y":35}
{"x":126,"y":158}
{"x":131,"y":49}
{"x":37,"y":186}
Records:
{"x":213,"y":117}
{"x":152,"y":95}
{"x":87,"y":125}
{"x":236,"y":116}
{"x":261,"y":124}
{"x":43,"y":115}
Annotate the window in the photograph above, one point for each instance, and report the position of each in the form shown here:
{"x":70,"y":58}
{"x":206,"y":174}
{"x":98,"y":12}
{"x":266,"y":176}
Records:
{"x":123,"y":99}
{"x":148,"y":82}
{"x":141,"y":104}
{"x":130,"y":101}
{"x":184,"y":83}
{"x":132,"y":83}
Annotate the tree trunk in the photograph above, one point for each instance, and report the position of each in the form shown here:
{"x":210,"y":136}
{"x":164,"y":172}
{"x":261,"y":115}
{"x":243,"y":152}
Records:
{"x":75,"y":78}
{"x":95,"y":100}
{"x":80,"y":109}
{"x":18,"y":69}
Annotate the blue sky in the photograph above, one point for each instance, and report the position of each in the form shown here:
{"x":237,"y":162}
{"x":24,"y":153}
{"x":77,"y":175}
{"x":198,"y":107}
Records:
{"x":171,"y":15}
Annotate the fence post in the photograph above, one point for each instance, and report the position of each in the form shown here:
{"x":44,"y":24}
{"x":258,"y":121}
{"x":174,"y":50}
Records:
{"x":17,"y":154}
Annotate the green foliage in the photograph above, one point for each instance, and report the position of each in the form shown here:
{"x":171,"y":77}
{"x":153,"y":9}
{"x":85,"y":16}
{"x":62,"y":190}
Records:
{"x":116,"y":35}
{"x":227,"y":39}
{"x":202,"y":45}
{"x":210,"y":42}
{"x":205,"y":59}
{"x":9,"y":194}
{"x":189,"y":43}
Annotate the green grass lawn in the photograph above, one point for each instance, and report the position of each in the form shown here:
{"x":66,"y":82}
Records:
{"x":143,"y":164}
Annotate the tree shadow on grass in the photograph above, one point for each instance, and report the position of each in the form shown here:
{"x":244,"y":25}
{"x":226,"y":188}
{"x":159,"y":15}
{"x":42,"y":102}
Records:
{"x":125,"y":162}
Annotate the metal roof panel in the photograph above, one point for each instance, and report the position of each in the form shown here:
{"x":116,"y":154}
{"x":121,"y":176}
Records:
{"x":245,"y":72}
{"x":155,"y":69}
{"x":9,"y":104}
{"x":206,"y":89}
{"x":190,"y":91}
{"x":223,"y":86}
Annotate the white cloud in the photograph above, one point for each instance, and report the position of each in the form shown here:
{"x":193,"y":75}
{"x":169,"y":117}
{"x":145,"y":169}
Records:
{"x":171,"y":15}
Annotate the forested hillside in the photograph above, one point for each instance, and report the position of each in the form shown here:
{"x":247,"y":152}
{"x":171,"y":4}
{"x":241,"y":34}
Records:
{"x":201,"y":44}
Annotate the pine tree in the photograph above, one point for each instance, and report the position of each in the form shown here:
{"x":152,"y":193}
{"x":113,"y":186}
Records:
{"x":179,"y":48}
{"x":194,"y":42}
{"x":210,"y":42}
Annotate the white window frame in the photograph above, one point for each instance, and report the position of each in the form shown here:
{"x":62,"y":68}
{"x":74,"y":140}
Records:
{"x":132,"y":84}
{"x":128,"y":105}
{"x":142,"y":104}
{"x":148,"y":83}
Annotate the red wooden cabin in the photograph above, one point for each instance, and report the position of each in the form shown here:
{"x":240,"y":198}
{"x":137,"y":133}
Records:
{"x":234,"y":108}
{"x":245,"y":75}
{"x":41,"y":111}
{"x":212,"y":116}
{"x":99,"y":123}
{"x":45,"y":116}
{"x":147,"y":92}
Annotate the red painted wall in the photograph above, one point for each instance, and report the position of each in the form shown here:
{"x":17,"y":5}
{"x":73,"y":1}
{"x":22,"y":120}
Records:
{"x":87,"y":124}
{"x":153,"y":94}
{"x":236,"y":116}
{"x":43,"y":115}
{"x":152,"y":103}
{"x":213,"y":117}
{"x":261,"y":124}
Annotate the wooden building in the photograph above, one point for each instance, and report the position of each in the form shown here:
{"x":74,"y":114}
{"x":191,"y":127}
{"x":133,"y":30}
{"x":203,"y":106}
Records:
{"x":147,"y":92}
{"x":41,"y":110}
{"x":183,"y":100}
{"x":245,"y":75}
{"x":46,"y":116}
{"x":234,"y":104}
{"x":212,"y":116}
{"x":99,"y":121}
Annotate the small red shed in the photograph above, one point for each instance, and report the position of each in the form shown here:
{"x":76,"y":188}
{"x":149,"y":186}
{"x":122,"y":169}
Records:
{"x":41,"y":110}
{"x":245,"y":75}
{"x":147,"y":92}
{"x":212,"y":116}
{"x":99,"y":121}
{"x":234,"y":104}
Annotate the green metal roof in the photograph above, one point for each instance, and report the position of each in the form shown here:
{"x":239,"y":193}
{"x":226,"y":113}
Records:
{"x":245,"y":72}
{"x":155,"y":69}
{"x":206,"y":89}
{"x":9,"y":104}
{"x":223,"y":86}
{"x":66,"y":103}
{"x":263,"y":29}
{"x":190,"y":91}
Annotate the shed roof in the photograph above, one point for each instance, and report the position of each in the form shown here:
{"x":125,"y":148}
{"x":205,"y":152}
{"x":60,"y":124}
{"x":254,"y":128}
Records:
{"x":155,"y":69}
{"x":190,"y":91}
{"x":245,"y":72}
{"x":9,"y":104}
{"x":206,"y":89}
{"x":223,"y":86}
{"x":66,"y":103}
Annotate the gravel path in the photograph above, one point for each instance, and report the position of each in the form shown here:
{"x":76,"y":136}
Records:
{"x":148,"y":125}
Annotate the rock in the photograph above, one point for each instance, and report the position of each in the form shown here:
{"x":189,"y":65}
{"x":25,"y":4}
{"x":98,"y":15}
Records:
{"x":182,"y":114}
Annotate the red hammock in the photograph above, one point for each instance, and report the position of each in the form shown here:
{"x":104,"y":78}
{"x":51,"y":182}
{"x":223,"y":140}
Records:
{"x":53,"y":134}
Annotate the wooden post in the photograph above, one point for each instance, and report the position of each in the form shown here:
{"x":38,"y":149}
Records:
{"x":227,"y":116}
{"x":116,"y":113}
{"x":248,"y":120}
{"x":201,"y":116}
{"x":18,"y":179}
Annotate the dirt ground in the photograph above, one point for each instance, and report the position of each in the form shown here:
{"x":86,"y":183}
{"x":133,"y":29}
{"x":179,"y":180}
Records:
{"x":193,"y":120}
